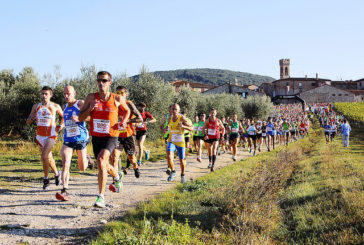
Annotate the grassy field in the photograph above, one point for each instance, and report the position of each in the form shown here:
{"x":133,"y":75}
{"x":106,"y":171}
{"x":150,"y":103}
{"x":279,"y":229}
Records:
{"x":310,"y":192}
{"x":354,"y":111}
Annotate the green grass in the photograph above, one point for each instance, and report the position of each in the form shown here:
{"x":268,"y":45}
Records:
{"x":308,"y":193}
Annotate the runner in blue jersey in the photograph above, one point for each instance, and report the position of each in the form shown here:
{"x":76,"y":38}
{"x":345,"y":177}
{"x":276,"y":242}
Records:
{"x":271,"y":132}
{"x":76,"y":137}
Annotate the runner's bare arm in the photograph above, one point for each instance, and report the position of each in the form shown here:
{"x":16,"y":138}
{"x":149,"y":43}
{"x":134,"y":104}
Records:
{"x":205,"y":127}
{"x":222,"y":128}
{"x":152,"y":120}
{"x":228,"y":128}
{"x":87,"y":107}
{"x":138,"y":117}
{"x":120,"y":102}
{"x":185,"y":124}
{"x":80,"y":105}
{"x":32,"y":115}
{"x":60,"y":113}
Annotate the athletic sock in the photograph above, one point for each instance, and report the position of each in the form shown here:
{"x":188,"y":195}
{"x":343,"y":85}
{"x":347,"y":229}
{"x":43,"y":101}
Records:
{"x":213,"y":160}
{"x":45,"y":177}
{"x":209,"y":158}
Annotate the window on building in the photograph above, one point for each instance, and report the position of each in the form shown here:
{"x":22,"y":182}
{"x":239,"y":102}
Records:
{"x":244,"y":94}
{"x":346,"y":95}
{"x":286,"y":71}
{"x":333,"y":94}
{"x":287,"y":83}
{"x":339,"y":94}
{"x":300,"y":85}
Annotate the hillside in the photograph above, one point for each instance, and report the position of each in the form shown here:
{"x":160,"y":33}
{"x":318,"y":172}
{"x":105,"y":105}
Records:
{"x":211,"y":76}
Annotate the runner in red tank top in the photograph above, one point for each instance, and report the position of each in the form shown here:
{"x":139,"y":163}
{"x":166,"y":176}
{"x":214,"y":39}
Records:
{"x":212,"y":128}
{"x":103,"y":109}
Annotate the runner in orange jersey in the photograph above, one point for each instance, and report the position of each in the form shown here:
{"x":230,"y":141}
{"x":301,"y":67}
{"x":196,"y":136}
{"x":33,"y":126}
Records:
{"x":126,"y":140}
{"x":103,"y":106}
{"x":47,"y":131}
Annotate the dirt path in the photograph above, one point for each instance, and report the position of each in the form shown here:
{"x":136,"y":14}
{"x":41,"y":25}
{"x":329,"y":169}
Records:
{"x":31,"y":215}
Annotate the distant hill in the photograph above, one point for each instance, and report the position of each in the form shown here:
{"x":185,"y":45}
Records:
{"x":211,"y":76}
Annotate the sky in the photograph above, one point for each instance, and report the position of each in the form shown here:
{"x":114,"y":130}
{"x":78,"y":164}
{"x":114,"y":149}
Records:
{"x":324,"y":37}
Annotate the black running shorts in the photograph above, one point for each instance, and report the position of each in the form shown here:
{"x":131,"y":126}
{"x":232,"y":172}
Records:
{"x":101,"y":143}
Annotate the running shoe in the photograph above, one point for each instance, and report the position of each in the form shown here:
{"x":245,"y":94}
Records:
{"x":63,"y":196}
{"x":268,"y":148}
{"x":234,"y":158}
{"x":259,"y":149}
{"x":45,"y":184}
{"x":254,"y":153}
{"x":137,"y":172}
{"x":212,"y":168}
{"x":168,"y":172}
{"x":57,"y":179}
{"x":171,"y":176}
{"x":250,"y":150}
{"x":100,"y":202}
{"x":209,"y":166}
{"x":147,"y":153}
{"x":198,"y":159}
{"x":140,"y":163}
{"x":183,"y":179}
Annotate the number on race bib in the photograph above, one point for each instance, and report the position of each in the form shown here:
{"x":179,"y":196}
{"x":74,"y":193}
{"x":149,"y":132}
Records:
{"x":177,"y":137}
{"x":101,"y":126}
{"x":211,"y":131}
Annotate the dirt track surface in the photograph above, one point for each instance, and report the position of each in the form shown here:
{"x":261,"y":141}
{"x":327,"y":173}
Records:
{"x":32,"y":215}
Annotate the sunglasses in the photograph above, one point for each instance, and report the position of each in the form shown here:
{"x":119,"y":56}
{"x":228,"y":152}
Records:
{"x":103,"y":80}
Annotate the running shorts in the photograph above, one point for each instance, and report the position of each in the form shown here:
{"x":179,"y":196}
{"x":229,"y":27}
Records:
{"x":78,"y":145}
{"x":103,"y":143}
{"x":128,"y":144}
{"x":180,"y":150}
{"x":210,"y":141}
{"x":41,"y":140}
{"x":140,"y":133}
{"x":232,"y":137}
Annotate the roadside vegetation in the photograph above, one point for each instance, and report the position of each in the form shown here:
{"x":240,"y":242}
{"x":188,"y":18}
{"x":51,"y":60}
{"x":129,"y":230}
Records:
{"x":18,"y":93}
{"x":309,"y":192}
{"x":354,"y":111}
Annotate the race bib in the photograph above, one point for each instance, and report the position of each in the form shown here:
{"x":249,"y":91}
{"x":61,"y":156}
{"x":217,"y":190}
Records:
{"x":43,"y":121}
{"x":177,"y":137}
{"x":264,"y":134}
{"x":101,"y":126}
{"x":269,"y":128}
{"x":200,"y":128}
{"x":121,"y":129}
{"x":251,"y":132}
{"x":73,"y":131}
{"x":234,"y":130}
{"x":211,"y":131}
{"x":140,"y":125}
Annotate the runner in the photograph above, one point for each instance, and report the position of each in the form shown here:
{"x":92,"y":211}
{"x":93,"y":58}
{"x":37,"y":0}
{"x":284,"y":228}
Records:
{"x":333,"y":131}
{"x":345,"y":132}
{"x":212,"y":128}
{"x":165,"y":131}
{"x":327,"y":129}
{"x":187,"y":133}
{"x":233,"y":132}
{"x":224,"y":142}
{"x":259,"y":134}
{"x":102,"y":106}
{"x":177,"y":125}
{"x":195,"y":132}
{"x":253,"y":136}
{"x":286,"y":129}
{"x":200,"y":136}
{"x":126,"y":140}
{"x":141,"y":132}
{"x":47,"y":131}
{"x":75,"y":137}
{"x":270,"y":132}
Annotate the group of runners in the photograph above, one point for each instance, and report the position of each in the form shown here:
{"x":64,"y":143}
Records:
{"x":111,"y":118}
{"x":116,"y":124}
{"x":332,"y":122}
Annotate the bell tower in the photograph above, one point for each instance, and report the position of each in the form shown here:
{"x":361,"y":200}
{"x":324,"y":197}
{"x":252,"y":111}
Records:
{"x":284,"y":68}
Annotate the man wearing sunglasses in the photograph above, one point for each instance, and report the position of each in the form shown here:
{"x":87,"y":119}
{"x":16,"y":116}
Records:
{"x":102,"y":107}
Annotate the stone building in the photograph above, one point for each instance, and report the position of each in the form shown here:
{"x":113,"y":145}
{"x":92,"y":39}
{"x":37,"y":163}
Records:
{"x":360,"y":84}
{"x":241,"y":90}
{"x":200,"y":87}
{"x":327,"y":94}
